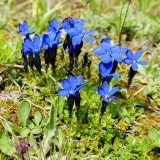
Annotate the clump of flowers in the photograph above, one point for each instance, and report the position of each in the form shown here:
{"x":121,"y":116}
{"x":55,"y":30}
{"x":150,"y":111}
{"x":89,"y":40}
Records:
{"x":70,"y":88}
{"x":22,"y":147}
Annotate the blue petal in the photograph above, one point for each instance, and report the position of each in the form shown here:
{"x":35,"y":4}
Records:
{"x":63,"y":92}
{"x":99,"y":51}
{"x":89,"y":31}
{"x":105,"y":58}
{"x":115,"y":49}
{"x":54,"y":23}
{"x":127,"y":61}
{"x":52,"y":36}
{"x":113,"y":97}
{"x":72,"y":32}
{"x":142,"y":62}
{"x":88,"y":39}
{"x":105,"y":46}
{"x":130,"y":55}
{"x":109,"y":67}
{"x":107,"y":40}
{"x":102,"y":69}
{"x":105,"y":99}
{"x":58,"y":35}
{"x":138,"y":54}
{"x":115,"y":75}
{"x":101,"y":92}
{"x":66,"y":85}
{"x":117,"y":57}
{"x":113,"y":90}
{"x":51,"y":29}
{"x":21,"y":28}
{"x":76,"y":40}
{"x":79,"y":79}
{"x":36,"y":41}
{"x":134,"y":66}
{"x":105,"y":87}
{"x":79,"y":27}
{"x":28,"y":44}
{"x":123,"y":50}
{"x":25,"y":25}
{"x":33,"y":28}
{"x":73,"y":81}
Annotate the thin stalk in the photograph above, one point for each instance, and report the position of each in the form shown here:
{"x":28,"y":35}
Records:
{"x":120,"y":19}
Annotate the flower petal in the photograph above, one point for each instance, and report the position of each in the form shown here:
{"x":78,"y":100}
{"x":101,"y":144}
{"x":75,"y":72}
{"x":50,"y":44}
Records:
{"x":73,"y":81}
{"x":66,"y":85}
{"x":36,"y":41}
{"x":138,"y":54}
{"x":115,"y":75}
{"x":117,"y":57}
{"x":113,"y":90}
{"x":99,"y":51}
{"x":142,"y":62}
{"x":127,"y":61}
{"x":115,"y":49}
{"x":130,"y":55}
{"x":63,"y":92}
{"x":105,"y":58}
{"x":51,"y":29}
{"x":134,"y":66}
{"x":79,"y":79}
{"x":54,"y":23}
{"x":79,"y":27}
{"x":33,"y":28}
{"x":51,"y":36}
{"x":102,"y":69}
{"x":107,"y":40}
{"x":89,"y":31}
{"x":25,"y":25}
{"x":105,"y":46}
{"x":21,"y":28}
{"x":76,"y":40}
{"x":72,"y":31}
{"x":101,"y":92}
{"x":105,"y":87}
{"x":28,"y":44}
{"x":88,"y":39}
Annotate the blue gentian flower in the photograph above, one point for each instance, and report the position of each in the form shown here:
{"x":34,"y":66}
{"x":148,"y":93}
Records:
{"x":71,"y":86}
{"x":133,"y":59}
{"x":51,"y":39}
{"x":78,"y":34}
{"x":53,"y":26}
{"x":24,"y":28}
{"x":105,"y":69}
{"x":105,"y":93}
{"x":69,"y":22}
{"x":107,"y":51}
{"x":33,"y":46}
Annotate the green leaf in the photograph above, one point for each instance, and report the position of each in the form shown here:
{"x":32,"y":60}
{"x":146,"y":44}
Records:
{"x":36,"y":130}
{"x":24,"y":111}
{"x":30,"y":124}
{"x":7,"y":126}
{"x":37,"y":118}
{"x":154,"y":136}
{"x":25,"y":131}
{"x":5,"y":144}
{"x":16,"y":127}
{"x":124,"y":114}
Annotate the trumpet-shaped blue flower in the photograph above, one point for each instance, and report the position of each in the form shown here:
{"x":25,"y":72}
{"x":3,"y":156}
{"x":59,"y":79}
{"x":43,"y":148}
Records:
{"x":105,"y":93}
{"x":24,"y":28}
{"x":107,"y":51}
{"x":133,"y":59}
{"x":54,"y":27}
{"x":71,"y":86}
{"x":105,"y":69}
{"x":78,"y":34}
{"x":33,"y":46}
{"x":51,"y":39}
{"x":69,"y":22}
